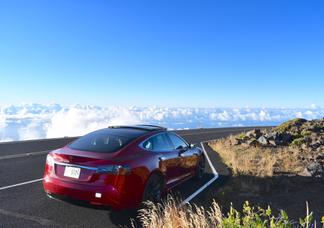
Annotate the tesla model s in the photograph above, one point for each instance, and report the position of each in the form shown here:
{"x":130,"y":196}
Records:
{"x":122,"y":166}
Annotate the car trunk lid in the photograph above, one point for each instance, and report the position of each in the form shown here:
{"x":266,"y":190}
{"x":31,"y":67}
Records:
{"x":80,"y":166}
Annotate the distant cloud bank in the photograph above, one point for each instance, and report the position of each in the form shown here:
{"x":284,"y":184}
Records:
{"x":36,"y":121}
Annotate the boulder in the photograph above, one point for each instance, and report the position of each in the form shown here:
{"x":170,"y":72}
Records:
{"x":272,"y":136}
{"x":286,"y":138}
{"x":263,"y":141}
{"x":255,"y":133}
{"x":314,"y":169}
{"x":272,"y":143}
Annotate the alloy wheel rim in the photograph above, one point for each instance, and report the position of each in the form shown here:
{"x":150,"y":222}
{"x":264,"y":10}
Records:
{"x":201,"y":168}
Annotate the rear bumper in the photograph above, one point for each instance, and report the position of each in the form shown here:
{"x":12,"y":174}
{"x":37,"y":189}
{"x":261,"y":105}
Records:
{"x":97,"y":195}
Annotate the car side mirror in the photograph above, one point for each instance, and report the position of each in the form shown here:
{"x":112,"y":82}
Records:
{"x":191,"y":145}
{"x":182,"y":149}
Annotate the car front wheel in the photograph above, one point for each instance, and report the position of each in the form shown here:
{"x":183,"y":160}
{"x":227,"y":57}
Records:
{"x":200,"y":168}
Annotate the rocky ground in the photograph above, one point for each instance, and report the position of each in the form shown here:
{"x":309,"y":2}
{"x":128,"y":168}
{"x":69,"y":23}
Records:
{"x":303,"y":138}
{"x":282,"y":167}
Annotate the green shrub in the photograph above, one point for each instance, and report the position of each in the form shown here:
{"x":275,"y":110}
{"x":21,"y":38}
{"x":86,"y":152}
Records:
{"x":170,"y":214}
{"x":255,"y":217}
{"x":241,"y":135}
{"x":297,"y":142}
{"x":305,"y":133}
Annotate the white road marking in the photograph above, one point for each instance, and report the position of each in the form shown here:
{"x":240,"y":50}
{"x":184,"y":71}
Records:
{"x":193,"y":195}
{"x":19,"y":184}
{"x":208,"y":159}
{"x":24,"y":155}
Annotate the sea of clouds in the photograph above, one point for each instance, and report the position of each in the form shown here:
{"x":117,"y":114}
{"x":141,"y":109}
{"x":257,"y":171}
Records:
{"x":37,"y":121}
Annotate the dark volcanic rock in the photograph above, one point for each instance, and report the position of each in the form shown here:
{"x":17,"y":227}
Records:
{"x":314,"y":169}
{"x":285,"y":138}
{"x":255,"y":133}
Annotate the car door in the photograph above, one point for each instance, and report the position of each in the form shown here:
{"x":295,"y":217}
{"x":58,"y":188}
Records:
{"x":188,"y":156}
{"x":169,"y":160}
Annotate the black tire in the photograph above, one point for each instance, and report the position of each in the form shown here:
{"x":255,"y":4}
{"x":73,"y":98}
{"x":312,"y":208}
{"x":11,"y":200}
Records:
{"x":153,"y":189}
{"x":200,"y":171}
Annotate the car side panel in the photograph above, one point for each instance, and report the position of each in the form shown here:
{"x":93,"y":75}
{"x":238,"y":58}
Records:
{"x":170,"y":165}
{"x":190,"y":159}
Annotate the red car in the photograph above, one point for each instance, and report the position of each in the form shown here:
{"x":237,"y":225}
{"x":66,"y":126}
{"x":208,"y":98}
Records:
{"x":122,"y":166}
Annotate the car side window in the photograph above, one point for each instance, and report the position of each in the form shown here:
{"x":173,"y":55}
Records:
{"x":177,"y":141}
{"x":148,"y":144}
{"x":158,"y":142}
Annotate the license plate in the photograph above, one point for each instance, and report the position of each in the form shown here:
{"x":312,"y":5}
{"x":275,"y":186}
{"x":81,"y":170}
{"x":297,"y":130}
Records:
{"x":72,"y":172}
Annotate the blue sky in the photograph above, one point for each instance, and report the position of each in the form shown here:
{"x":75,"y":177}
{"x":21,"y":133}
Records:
{"x":164,"y":53}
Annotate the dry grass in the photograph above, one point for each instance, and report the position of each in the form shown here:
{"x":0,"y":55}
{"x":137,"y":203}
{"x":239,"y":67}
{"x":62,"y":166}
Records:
{"x":257,"y":161}
{"x":170,"y":215}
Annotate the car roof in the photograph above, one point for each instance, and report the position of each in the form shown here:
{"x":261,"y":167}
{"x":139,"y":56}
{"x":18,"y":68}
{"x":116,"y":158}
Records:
{"x":143,"y":127}
{"x":131,"y":131}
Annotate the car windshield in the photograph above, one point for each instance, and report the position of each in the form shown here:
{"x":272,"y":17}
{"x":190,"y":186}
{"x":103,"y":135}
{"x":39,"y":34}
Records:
{"x":100,"y":142}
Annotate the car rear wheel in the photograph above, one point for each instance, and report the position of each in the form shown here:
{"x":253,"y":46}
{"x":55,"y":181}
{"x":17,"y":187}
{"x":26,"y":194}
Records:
{"x":153,"y":189}
{"x":200,"y":168}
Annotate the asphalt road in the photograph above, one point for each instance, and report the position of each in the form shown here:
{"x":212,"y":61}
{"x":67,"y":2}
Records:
{"x":28,"y":206}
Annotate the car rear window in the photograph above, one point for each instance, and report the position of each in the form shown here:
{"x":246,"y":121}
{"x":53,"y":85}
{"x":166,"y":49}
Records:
{"x":100,"y":142}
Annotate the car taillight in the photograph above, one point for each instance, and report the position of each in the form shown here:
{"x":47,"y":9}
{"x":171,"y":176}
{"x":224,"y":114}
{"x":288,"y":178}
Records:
{"x":50,"y":160}
{"x":49,"y":167}
{"x":114,"y":169}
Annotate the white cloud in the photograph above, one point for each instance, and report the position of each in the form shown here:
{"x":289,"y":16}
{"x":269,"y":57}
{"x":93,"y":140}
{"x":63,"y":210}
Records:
{"x":313,"y":106}
{"x":33,"y":130}
{"x":80,"y":120}
{"x":299,"y":114}
{"x":2,"y":121}
{"x":33,"y":121}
